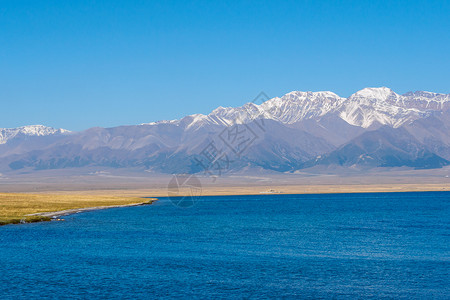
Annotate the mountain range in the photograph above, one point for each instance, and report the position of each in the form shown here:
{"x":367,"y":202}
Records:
{"x":373,"y":128}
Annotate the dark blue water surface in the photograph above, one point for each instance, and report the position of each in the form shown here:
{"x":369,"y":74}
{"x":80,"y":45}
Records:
{"x":268,"y":246}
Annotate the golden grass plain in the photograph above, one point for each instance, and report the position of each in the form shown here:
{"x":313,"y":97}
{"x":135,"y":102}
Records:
{"x":16,"y":208}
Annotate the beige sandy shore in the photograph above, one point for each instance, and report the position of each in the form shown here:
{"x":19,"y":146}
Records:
{"x":131,"y":185}
{"x":257,"y":190}
{"x":137,"y":185}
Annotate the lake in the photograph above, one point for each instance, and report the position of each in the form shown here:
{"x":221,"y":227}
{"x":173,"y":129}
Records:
{"x":250,"y":247}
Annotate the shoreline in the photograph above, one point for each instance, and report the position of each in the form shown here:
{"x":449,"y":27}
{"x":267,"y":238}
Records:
{"x":25,"y":208}
{"x":139,"y":194}
{"x":67,"y":212}
{"x":268,"y":189}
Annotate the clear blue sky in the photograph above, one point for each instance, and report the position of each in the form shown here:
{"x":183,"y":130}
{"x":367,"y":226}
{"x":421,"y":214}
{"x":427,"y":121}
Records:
{"x":79,"y":64}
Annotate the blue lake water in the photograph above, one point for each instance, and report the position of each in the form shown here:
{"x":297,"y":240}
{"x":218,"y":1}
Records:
{"x":268,"y":246}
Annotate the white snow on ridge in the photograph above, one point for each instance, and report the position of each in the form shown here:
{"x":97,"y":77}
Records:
{"x":363,"y":108}
{"x":381,"y":93}
{"x":160,"y":122}
{"x":31,"y":130}
{"x":297,"y":106}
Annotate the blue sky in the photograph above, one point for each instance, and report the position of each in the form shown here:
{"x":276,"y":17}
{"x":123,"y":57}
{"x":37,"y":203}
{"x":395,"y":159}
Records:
{"x":79,"y":64}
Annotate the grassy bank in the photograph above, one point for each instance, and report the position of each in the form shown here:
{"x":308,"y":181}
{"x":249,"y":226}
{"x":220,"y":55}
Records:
{"x":16,"y":208}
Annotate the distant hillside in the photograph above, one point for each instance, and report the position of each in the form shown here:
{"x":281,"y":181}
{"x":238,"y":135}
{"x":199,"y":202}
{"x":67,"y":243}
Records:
{"x":373,"y":128}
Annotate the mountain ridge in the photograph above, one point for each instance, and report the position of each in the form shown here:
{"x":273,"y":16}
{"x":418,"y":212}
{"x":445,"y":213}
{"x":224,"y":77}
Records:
{"x":299,"y":130}
{"x":29,"y":130}
{"x":363,"y":108}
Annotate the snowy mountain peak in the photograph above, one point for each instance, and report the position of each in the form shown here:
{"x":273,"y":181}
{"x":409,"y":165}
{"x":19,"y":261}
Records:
{"x":364,"y":108}
{"x":297,"y":106}
{"x":381,"y":93}
{"x":309,"y":95}
{"x":31,"y":130}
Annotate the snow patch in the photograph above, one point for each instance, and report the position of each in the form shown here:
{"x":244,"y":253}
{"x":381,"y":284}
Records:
{"x":7,"y":134}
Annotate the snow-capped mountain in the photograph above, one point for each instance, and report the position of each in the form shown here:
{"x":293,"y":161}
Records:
{"x":378,"y":105}
{"x":374,"y":127}
{"x":369,"y":106}
{"x":7,"y":134}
